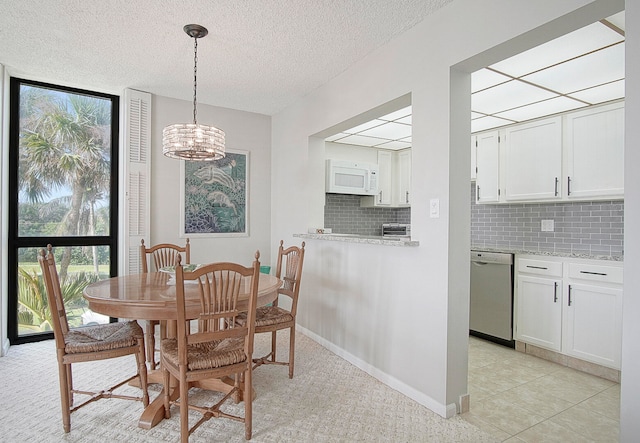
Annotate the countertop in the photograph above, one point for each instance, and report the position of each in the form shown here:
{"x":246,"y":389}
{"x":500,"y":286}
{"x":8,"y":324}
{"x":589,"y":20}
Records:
{"x":354,"y":238}
{"x":549,"y":253}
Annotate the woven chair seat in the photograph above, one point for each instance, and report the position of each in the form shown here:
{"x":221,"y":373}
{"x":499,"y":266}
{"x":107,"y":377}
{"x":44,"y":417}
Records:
{"x":268,"y":315}
{"x":207,"y":355}
{"x":103,"y":337}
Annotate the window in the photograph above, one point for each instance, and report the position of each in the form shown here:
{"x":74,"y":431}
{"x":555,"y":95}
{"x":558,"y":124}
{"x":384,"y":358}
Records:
{"x":63,"y":188}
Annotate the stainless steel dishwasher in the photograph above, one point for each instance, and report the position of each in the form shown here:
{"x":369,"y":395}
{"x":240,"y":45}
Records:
{"x":491,"y":296}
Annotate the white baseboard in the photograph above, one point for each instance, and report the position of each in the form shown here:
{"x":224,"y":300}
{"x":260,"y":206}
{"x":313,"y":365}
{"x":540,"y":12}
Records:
{"x":446,"y":411}
{"x":5,"y":347}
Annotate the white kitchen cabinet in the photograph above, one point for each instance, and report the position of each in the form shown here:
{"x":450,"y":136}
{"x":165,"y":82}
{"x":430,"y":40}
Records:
{"x":533,"y":160}
{"x":538,"y":304}
{"x":488,"y":166}
{"x":473,"y":158}
{"x":571,"y":306}
{"x":403,"y":197}
{"x":594,"y":152}
{"x":592,"y":319}
{"x":385,"y":182}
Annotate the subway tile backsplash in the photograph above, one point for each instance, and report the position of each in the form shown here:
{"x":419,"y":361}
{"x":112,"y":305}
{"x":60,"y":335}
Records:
{"x":343,"y":214}
{"x":593,"y":228}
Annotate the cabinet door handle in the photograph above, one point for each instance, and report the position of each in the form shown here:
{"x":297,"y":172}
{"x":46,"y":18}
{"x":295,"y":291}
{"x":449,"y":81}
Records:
{"x":555,"y":292}
{"x":478,"y":193}
{"x":568,"y":185}
{"x":407,"y":197}
{"x":380,"y":199}
{"x":593,"y":273}
{"x":556,"y":188}
{"x":569,"y":295}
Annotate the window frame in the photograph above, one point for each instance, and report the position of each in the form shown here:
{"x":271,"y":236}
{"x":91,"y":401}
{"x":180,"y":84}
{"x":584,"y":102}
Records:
{"x":14,"y":241}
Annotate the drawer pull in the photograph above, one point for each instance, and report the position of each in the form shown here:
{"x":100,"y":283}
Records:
{"x":593,"y":273}
{"x":537,"y":267}
{"x":569,"y":295}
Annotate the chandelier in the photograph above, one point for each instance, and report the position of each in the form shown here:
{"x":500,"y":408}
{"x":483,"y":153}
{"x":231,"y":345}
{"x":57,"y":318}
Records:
{"x":193,"y":141}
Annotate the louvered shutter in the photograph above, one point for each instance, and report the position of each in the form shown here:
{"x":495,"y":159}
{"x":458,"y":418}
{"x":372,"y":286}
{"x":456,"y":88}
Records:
{"x":137,"y":172}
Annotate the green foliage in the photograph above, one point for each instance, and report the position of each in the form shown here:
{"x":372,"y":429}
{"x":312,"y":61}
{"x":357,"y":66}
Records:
{"x":33,"y":306}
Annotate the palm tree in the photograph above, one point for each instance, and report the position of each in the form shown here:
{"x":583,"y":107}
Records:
{"x":65,"y":144}
{"x":34,"y":313}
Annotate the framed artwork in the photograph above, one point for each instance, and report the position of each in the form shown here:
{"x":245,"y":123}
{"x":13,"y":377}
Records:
{"x":214,"y":197}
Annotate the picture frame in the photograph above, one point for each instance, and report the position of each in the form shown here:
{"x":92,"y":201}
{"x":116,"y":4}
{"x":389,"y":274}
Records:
{"x":214,"y":197}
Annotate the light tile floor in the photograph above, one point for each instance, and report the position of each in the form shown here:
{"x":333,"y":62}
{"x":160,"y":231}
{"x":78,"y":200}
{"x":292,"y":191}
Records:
{"x":521,"y":398}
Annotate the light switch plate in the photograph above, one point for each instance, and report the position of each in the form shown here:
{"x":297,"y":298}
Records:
{"x":546,"y":226}
{"x":434,"y":208}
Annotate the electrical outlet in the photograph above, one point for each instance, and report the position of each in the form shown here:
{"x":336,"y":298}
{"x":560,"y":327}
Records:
{"x":546,"y":226}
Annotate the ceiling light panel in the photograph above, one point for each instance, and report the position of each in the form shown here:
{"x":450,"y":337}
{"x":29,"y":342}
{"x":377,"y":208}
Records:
{"x":365,"y":126}
{"x":506,"y":96}
{"x":335,"y":137}
{"x":484,"y":123}
{"x":600,"y":94}
{"x":591,"y":70}
{"x":395,"y":145}
{"x":397,"y":114}
{"x":390,"y":131}
{"x":485,"y":78}
{"x":362,"y":140}
{"x":582,"y":41}
{"x":541,"y":109}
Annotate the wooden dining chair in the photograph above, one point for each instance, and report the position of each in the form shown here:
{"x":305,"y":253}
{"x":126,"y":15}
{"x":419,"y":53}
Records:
{"x":88,"y":343}
{"x":221,"y":349}
{"x":275,"y":317}
{"x":160,"y":256}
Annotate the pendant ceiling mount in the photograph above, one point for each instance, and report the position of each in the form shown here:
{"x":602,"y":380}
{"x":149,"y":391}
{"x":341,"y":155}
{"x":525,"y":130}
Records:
{"x":193,"y":141}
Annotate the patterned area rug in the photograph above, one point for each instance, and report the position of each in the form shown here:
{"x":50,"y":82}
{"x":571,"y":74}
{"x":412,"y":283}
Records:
{"x":328,"y":400}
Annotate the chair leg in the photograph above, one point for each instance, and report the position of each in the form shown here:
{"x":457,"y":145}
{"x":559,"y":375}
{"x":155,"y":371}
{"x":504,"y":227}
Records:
{"x":150,"y":340}
{"x":273,"y":345}
{"x":184,"y":406}
{"x":69,"y":384}
{"x":248,"y":402}
{"x":292,"y":347}
{"x":142,"y":373}
{"x":166,"y":381}
{"x":63,"y":371}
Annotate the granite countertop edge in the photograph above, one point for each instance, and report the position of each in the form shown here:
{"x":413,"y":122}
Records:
{"x":549,"y":253}
{"x":354,"y":238}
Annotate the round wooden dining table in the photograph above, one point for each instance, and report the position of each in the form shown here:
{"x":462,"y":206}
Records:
{"x":152,"y":296}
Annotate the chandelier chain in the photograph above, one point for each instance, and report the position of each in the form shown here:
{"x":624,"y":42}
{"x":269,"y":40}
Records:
{"x":195,"y":80}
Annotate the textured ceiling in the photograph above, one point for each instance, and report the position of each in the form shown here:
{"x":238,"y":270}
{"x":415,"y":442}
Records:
{"x":259,"y":56}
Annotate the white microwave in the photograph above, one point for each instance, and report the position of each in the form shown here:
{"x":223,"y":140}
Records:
{"x":344,"y":177}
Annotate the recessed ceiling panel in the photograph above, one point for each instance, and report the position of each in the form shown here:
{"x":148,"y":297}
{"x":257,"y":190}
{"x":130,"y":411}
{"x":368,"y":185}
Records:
{"x":361,"y":140}
{"x":506,"y":96}
{"x":364,"y":126}
{"x":484,"y":123}
{"x":394,"y":145}
{"x":593,"y":69}
{"x":391,"y":131}
{"x":397,"y":114}
{"x":582,"y":41}
{"x":335,"y":137}
{"x":405,"y":120}
{"x":601,"y":94}
{"x":485,"y":78}
{"x":540,"y":109}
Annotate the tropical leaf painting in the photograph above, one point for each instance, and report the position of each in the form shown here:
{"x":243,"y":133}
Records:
{"x":215,"y":196}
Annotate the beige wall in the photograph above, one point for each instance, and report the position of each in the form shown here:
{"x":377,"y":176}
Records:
{"x":245,"y":131}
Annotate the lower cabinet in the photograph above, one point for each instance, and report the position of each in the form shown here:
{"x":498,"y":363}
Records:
{"x":571,"y":306}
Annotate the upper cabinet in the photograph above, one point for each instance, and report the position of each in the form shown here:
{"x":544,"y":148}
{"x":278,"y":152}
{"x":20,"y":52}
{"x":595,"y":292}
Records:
{"x":487,"y":148}
{"x":404,"y":177}
{"x":394,"y":180}
{"x":594,"y":149}
{"x":576,"y":156}
{"x":533,"y":162}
